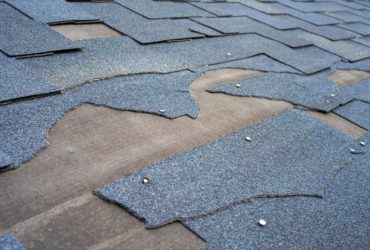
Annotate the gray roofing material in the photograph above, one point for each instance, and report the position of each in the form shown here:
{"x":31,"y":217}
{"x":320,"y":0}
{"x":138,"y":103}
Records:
{"x":358,"y":90}
{"x":23,"y":36}
{"x":330,"y":32}
{"x":108,"y":57}
{"x":357,"y":112}
{"x":349,"y":17}
{"x":363,"y":13}
{"x":151,"y":9}
{"x":17,"y":81}
{"x":280,"y":87}
{"x":52,"y":11}
{"x":304,"y":7}
{"x":140,"y":28}
{"x":340,"y":220}
{"x":363,"y":40}
{"x":245,"y":25}
{"x":24,"y":124}
{"x":260,"y":62}
{"x":360,"y":28}
{"x":9,"y":242}
{"x":259,"y":6}
{"x":328,"y":6}
{"x":290,"y":153}
{"x":315,"y":18}
{"x":4,"y":160}
{"x":363,"y":65}
{"x":345,"y":49}
{"x":236,"y":9}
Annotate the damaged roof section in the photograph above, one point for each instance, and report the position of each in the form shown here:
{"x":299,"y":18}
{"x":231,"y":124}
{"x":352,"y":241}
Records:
{"x":289,"y":153}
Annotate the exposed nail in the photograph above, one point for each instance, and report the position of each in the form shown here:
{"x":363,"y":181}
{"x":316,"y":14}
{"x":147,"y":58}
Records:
{"x":262,"y":222}
{"x":248,"y":138}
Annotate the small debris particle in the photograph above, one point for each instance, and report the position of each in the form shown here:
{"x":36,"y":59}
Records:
{"x":238,"y":85}
{"x":71,"y":150}
{"x":362,"y":143}
{"x":161,"y":110}
{"x":228,"y":54}
{"x":262,"y":222}
{"x":165,"y":65}
{"x":146,"y":180}
{"x":352,"y":150}
{"x":248,"y":138}
{"x":332,"y":95}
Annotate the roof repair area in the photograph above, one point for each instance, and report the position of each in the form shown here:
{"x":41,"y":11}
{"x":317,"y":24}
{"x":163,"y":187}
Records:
{"x":184,"y":124}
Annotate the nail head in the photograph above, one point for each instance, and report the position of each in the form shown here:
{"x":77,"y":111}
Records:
{"x":262,"y":222}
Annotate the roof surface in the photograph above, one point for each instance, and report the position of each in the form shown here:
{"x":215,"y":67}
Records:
{"x":198,"y":118}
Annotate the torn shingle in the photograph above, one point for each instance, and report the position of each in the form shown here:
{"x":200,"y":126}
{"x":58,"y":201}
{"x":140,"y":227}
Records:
{"x":357,"y":112}
{"x":24,"y":124}
{"x":151,"y":9}
{"x":9,"y":242}
{"x":17,"y":81}
{"x":52,"y":11}
{"x":23,"y":36}
{"x":280,"y":87}
{"x":363,"y":65}
{"x":245,"y":25}
{"x":338,"y":221}
{"x":290,"y":153}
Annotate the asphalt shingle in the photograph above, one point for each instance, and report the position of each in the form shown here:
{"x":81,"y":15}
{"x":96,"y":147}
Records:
{"x":357,"y":112}
{"x":9,"y":242}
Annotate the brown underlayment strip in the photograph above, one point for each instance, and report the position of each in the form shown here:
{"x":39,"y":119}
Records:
{"x":344,"y":77}
{"x":108,"y":144}
{"x":339,"y":123}
{"x":85,"y":31}
{"x":88,"y":222}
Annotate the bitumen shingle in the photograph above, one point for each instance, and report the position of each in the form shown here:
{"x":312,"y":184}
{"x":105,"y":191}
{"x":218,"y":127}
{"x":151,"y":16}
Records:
{"x":360,"y":28}
{"x":4,"y":160}
{"x":290,"y":153}
{"x":9,"y":242}
{"x":339,"y":220}
{"x":21,"y":36}
{"x":357,"y":112}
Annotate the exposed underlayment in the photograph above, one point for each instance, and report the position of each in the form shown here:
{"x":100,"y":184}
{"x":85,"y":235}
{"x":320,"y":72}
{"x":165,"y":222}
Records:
{"x":337,"y":221}
{"x":290,"y":153}
{"x":85,"y":31}
{"x":9,"y":242}
{"x":123,"y":84}
{"x":357,"y":112}
{"x":342,"y":78}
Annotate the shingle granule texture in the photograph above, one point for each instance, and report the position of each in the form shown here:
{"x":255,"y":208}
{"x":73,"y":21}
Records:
{"x":363,"y":40}
{"x":23,"y":36}
{"x":315,"y":18}
{"x":17,"y":81}
{"x":52,"y":11}
{"x":236,"y":9}
{"x":357,"y":112}
{"x":260,"y":62}
{"x":279,"y":87}
{"x":360,"y":28}
{"x":24,"y":124}
{"x":246,"y":25}
{"x":140,"y":28}
{"x":9,"y":242}
{"x":358,"y":90}
{"x":304,"y":7}
{"x":363,"y":65}
{"x":4,"y":160}
{"x":290,"y":153}
{"x":151,"y":9}
{"x":330,"y":32}
{"x":340,"y":220}
{"x":347,"y":50}
{"x":108,"y":57}
{"x":259,"y":6}
{"x":349,"y":17}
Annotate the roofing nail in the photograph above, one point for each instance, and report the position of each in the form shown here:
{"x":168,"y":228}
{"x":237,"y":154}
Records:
{"x":248,"y":138}
{"x":352,"y":150}
{"x":238,"y":85}
{"x":332,"y":95}
{"x":161,"y":110}
{"x":228,"y":54}
{"x":362,"y":143}
{"x":165,"y":65}
{"x":262,"y":222}
{"x":146,"y":180}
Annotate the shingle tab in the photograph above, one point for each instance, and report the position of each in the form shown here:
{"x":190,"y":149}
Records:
{"x":357,"y":112}
{"x":9,"y":242}
{"x":290,"y":153}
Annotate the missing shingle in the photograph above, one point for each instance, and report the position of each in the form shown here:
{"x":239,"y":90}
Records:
{"x":342,"y":78}
{"x":86,"y":31}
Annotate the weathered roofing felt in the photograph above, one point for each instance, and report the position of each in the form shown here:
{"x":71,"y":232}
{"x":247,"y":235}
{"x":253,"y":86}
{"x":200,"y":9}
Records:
{"x":165,"y":45}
